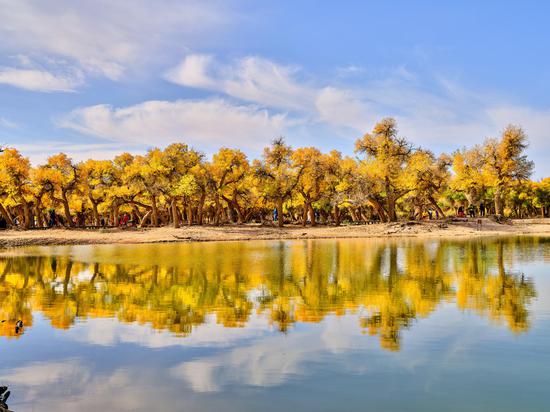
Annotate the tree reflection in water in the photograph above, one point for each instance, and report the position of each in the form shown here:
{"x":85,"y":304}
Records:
{"x":389,"y":284}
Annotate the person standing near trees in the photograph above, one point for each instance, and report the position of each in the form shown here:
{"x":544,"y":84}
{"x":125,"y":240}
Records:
{"x":51,"y":220}
{"x":481,"y":209}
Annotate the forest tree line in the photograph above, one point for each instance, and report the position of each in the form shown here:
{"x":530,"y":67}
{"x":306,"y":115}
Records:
{"x":387,"y":179}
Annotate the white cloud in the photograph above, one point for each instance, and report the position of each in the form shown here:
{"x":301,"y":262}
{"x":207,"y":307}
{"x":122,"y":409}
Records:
{"x":103,"y":37}
{"x":269,"y":84}
{"x":252,"y":78}
{"x":39,"y":80}
{"x":448,"y":111}
{"x":204,"y":123}
{"x":193,"y":71}
{"x":343,"y":108}
{"x":260,"y":80}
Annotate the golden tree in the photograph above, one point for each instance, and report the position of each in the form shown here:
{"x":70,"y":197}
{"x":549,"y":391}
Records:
{"x":386,"y":162}
{"x":96,"y":177}
{"x":312,"y":182}
{"x":505,"y":163}
{"x":228,"y":170}
{"x":469,"y":178}
{"x":62,"y":181}
{"x":277,"y":176}
{"x":15,"y":185}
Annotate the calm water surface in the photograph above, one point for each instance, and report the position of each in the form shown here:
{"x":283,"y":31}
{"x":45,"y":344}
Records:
{"x":332,"y":325}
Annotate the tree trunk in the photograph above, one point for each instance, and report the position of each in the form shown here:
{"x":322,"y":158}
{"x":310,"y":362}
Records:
{"x":304,"y":214}
{"x":115,"y":214}
{"x":280,"y":212}
{"x":313,"y":222}
{"x":240,"y":217}
{"x":67,"y":210}
{"x":390,"y":202}
{"x":231,"y":212}
{"x":336,"y":213}
{"x":392,"y":216}
{"x":137,"y":214}
{"x":379,"y":210}
{"x":189,"y":214}
{"x":217,"y":209}
{"x":6,"y":215}
{"x":154,"y":211}
{"x":353,"y":213}
{"x":146,"y":216}
{"x":27,"y":215}
{"x":498,"y":202}
{"x":436,"y":206}
{"x":38,"y":212}
{"x":201,"y":208}
{"x":95,"y":212}
{"x":175,"y":215}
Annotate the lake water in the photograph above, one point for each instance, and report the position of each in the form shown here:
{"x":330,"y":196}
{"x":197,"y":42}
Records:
{"x":313,"y":325}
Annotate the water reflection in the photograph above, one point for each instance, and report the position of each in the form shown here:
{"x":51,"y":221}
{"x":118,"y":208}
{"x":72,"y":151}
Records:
{"x":178,"y":287}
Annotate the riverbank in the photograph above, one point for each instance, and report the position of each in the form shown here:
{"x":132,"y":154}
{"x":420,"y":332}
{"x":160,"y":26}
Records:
{"x":14,"y":238}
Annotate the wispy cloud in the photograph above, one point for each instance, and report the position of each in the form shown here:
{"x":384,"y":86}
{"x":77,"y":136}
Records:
{"x":204,"y":123}
{"x":39,"y":80}
{"x":265,"y":82}
{"x":253,"y":79}
{"x":102,"y":38}
{"x":353,"y":107}
{"x":8,"y":124}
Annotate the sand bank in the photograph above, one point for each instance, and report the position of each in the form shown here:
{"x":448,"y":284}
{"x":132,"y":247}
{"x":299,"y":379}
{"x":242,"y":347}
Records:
{"x":13,"y":238}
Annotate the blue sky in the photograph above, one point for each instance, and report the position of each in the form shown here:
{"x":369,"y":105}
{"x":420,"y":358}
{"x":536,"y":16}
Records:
{"x":94,"y":79}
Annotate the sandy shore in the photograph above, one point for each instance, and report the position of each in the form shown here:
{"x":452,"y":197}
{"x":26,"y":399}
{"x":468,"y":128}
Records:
{"x":13,"y":238}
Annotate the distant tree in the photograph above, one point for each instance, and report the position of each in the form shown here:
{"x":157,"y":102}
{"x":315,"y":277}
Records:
{"x":312,"y":181}
{"x":542,"y":196}
{"x":430,"y":177}
{"x":96,"y":178}
{"x":228,"y":170}
{"x":386,"y":163}
{"x":469,"y":177}
{"x":505,"y":162}
{"x":277,"y":176}
{"x":63,"y":178}
{"x":15,"y":186}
